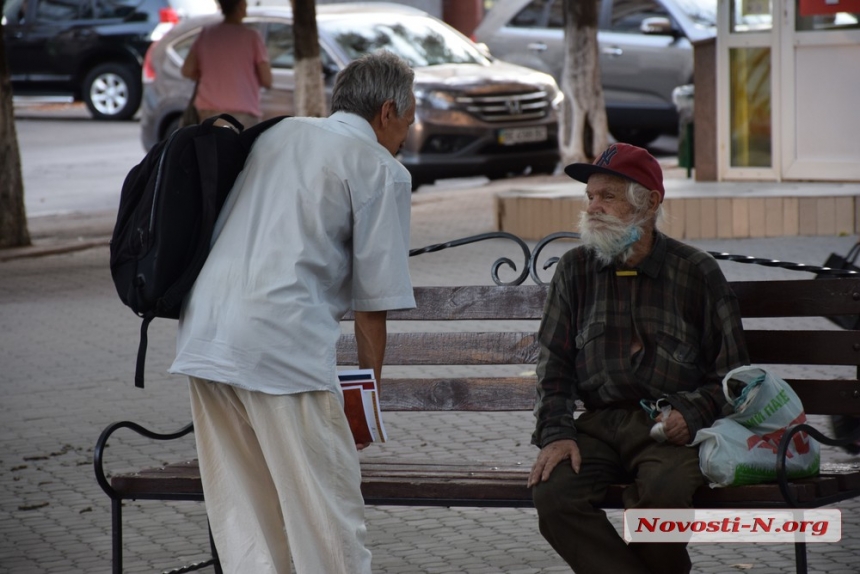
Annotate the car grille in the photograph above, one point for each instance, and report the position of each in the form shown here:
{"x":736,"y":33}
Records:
{"x":493,"y":149}
{"x":507,"y":107}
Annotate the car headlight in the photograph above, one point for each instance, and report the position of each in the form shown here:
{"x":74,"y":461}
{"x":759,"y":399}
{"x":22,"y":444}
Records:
{"x":556,"y":97}
{"x":436,"y":99}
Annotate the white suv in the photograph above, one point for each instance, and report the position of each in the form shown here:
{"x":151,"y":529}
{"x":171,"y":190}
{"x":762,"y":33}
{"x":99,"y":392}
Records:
{"x":645,"y":52}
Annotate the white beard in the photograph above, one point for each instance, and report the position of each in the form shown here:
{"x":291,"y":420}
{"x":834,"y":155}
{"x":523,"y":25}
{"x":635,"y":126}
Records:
{"x":612,"y":241}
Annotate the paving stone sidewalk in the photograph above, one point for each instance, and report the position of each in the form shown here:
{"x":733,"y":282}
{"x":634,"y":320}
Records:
{"x":67,"y":351}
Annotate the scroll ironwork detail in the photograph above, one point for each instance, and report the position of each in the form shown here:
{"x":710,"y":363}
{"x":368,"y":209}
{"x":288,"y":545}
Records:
{"x":531,"y":256}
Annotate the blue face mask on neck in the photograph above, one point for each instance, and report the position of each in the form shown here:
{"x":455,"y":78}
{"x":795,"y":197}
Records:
{"x":634,"y":234}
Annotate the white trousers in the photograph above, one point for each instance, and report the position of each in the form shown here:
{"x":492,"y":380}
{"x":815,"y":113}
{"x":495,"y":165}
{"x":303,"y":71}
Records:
{"x":281,"y":478}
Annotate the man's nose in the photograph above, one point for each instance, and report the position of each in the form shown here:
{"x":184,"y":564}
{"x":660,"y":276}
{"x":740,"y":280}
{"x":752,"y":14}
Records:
{"x":594,"y":206}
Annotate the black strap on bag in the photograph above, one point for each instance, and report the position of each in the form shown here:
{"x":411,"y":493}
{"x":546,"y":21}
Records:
{"x":141,"y":350}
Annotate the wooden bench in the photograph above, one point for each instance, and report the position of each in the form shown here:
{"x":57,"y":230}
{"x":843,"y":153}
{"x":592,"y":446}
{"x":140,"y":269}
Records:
{"x":502,"y":482}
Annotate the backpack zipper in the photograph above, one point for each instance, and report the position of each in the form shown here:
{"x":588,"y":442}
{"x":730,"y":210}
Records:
{"x":158,"y":180}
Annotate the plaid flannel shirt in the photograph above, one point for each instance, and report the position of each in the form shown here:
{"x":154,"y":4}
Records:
{"x":684,"y":313}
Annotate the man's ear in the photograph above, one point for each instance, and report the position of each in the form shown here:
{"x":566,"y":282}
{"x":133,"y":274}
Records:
{"x":387,"y":113}
{"x":653,"y":200}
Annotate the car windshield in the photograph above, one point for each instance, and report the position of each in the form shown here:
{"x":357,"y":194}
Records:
{"x":419,"y":40}
{"x":703,"y":13}
{"x":194,"y":7}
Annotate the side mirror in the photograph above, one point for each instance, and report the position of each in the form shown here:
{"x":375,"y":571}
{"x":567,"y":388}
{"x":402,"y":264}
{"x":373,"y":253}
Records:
{"x":329,"y":69}
{"x":657,"y":25}
{"x":484,"y":50}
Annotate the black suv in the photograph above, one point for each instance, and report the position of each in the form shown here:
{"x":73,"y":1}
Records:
{"x":91,"y":50}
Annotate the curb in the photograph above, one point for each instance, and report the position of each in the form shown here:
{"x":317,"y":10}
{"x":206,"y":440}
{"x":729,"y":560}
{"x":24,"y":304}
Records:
{"x":65,"y":233}
{"x":44,"y":250}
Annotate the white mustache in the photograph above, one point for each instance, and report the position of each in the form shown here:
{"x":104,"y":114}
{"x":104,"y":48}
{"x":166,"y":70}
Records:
{"x":607,"y":219}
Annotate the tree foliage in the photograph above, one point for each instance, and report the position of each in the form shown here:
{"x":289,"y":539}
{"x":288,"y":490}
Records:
{"x":583,"y":131}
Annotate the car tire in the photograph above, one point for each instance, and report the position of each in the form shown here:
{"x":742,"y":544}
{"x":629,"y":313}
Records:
{"x":635,"y":136}
{"x":416,"y":183}
{"x":544,"y":169}
{"x":170,"y":127}
{"x":112,"y":91}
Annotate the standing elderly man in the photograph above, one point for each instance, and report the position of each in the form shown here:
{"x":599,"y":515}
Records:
{"x":632,"y":316}
{"x":316,"y":224}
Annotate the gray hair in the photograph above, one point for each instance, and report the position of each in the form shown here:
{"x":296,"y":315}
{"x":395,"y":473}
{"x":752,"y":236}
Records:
{"x":638,"y":196}
{"x":368,"y":82}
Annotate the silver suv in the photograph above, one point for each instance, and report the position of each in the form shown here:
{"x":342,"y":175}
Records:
{"x":645,"y":52}
{"x":474,"y":116}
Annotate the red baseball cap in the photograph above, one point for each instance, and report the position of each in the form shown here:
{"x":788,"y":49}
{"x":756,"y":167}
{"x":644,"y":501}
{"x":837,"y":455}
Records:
{"x":623,"y":160}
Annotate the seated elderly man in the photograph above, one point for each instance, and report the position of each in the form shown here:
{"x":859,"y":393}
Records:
{"x":632,"y":317}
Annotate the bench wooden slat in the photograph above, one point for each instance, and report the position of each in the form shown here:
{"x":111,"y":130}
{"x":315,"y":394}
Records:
{"x":804,"y":347}
{"x":799,"y":347}
{"x":828,"y":397}
{"x":819,"y":396}
{"x":473,"y":302}
{"x":179,"y":480}
{"x":438,"y":482}
{"x":458,"y":394}
{"x":847,"y":474}
{"x":507,"y":481}
{"x":801,"y":298}
{"x":502,"y":348}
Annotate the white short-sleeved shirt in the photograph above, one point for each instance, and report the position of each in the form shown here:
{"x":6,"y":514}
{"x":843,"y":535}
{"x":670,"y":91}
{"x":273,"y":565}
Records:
{"x":316,"y":224}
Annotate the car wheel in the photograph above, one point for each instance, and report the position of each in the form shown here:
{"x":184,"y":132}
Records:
{"x":635,"y":136}
{"x":544,"y":169}
{"x":112,"y":92}
{"x":171,"y":127}
{"x":416,"y":183}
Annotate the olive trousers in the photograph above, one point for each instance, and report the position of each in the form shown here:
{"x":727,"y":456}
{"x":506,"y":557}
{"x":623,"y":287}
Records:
{"x":616,"y":448}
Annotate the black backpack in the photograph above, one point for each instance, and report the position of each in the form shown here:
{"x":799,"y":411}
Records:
{"x":167,"y":212}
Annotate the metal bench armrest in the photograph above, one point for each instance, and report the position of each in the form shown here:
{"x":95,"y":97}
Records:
{"x":98,"y":453}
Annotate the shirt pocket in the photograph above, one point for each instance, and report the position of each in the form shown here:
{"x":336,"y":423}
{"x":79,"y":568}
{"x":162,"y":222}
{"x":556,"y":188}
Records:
{"x":588,"y":334}
{"x":590,"y":347}
{"x":678,"y":361}
{"x":675,"y":349}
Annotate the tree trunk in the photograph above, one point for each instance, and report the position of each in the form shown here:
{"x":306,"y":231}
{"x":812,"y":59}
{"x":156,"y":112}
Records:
{"x":310,"y":91}
{"x":584,"y":131}
{"x":13,"y":216}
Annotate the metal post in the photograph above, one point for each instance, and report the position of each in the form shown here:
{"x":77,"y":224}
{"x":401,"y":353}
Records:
{"x":217,"y":562}
{"x":800,"y":557}
{"x":116,"y":534}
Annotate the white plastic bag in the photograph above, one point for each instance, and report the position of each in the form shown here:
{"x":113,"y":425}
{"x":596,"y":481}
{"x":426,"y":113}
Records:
{"x":741,"y":448}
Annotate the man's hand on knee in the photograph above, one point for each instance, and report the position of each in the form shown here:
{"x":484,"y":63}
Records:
{"x":552,"y":454}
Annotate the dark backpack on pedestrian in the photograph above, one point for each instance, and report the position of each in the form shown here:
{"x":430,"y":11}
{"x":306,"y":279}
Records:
{"x":167,"y":212}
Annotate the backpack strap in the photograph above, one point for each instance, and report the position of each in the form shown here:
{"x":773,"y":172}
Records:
{"x":249,"y":136}
{"x":206,"y":150}
{"x":234,"y":123}
{"x":141,"y":350}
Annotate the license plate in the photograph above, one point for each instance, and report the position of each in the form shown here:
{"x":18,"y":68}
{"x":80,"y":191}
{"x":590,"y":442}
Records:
{"x":514,"y":136}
